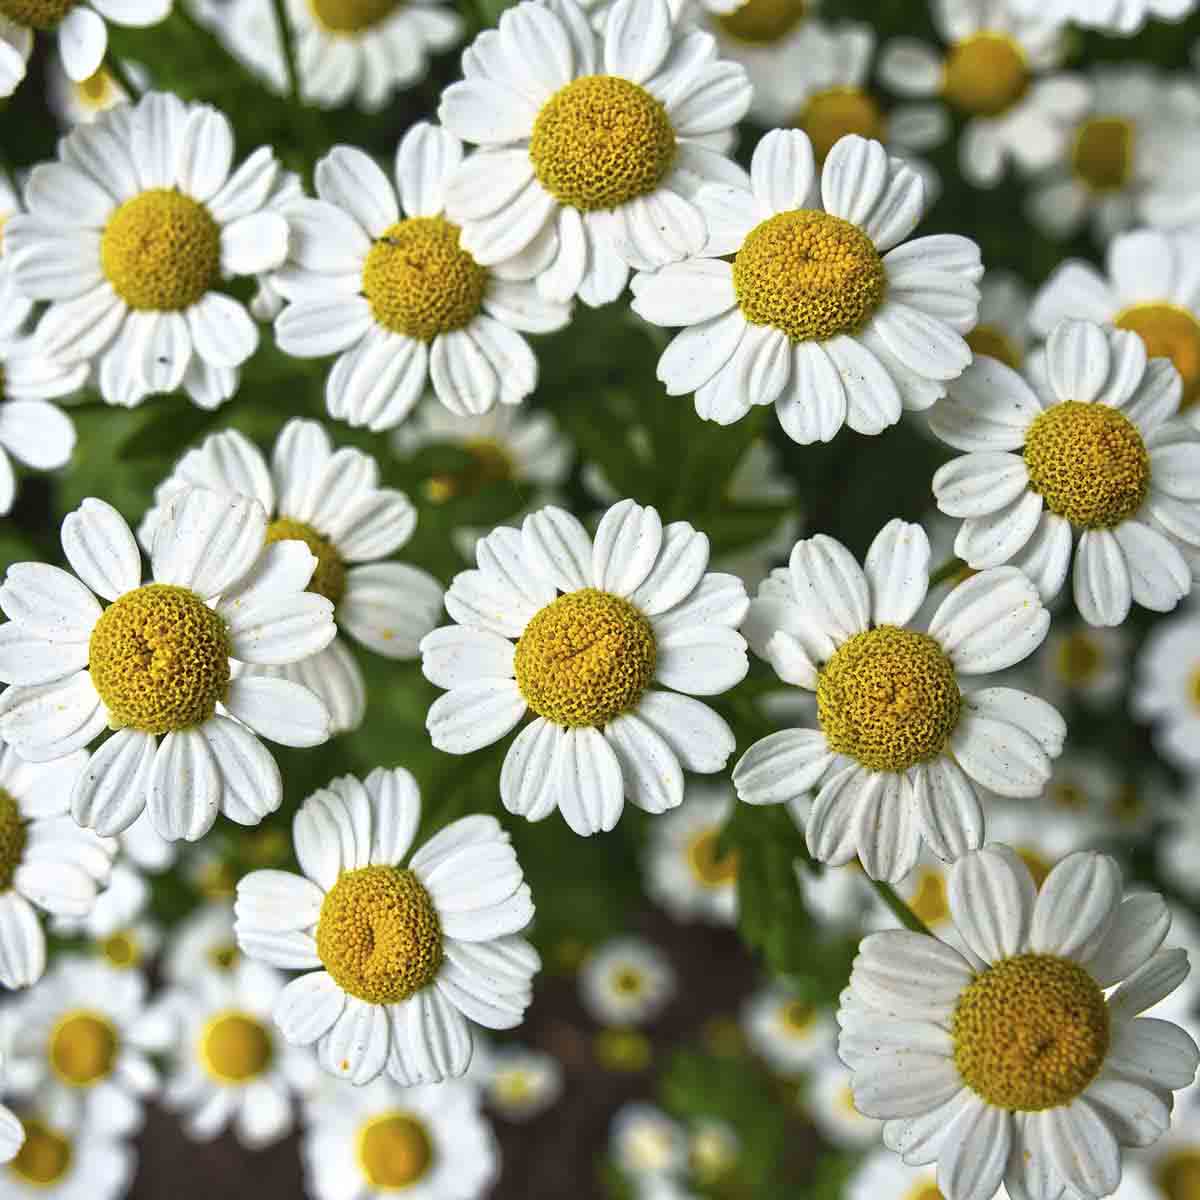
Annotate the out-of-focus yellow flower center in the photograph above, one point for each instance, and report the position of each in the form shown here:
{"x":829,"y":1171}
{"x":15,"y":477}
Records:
{"x":235,"y":1047}
{"x":514,"y":1085}
{"x":600,"y":142}
{"x":352,"y":16}
{"x":628,"y":981}
{"x":1102,"y":153}
{"x":924,"y":1191}
{"x":763,"y":21}
{"x":929,"y":899}
{"x":995,"y":343}
{"x":394,"y":1151}
{"x":1088,"y":462}
{"x":83,"y":1048}
{"x":122,"y":949}
{"x":835,"y":113}
{"x":796,"y":1018}
{"x":224,"y":956}
{"x":36,"y":14}
{"x":1039,"y":865}
{"x":888,"y":698}
{"x":97,"y":90}
{"x":1078,"y":658}
{"x":1178,"y":1174}
{"x":159,"y":658}
{"x":709,"y":867}
{"x":329,"y":578}
{"x":44,"y":1158}
{"x":623,"y":1050}
{"x":12,"y":839}
{"x":1169,"y":332}
{"x":809,"y":274}
{"x":490,"y":463}
{"x":379,"y":935}
{"x":161,"y":251}
{"x":985,"y":74}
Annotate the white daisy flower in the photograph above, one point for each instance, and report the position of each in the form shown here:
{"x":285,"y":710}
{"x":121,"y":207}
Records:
{"x":1169,"y":1170}
{"x":647,"y":1143}
{"x":1121,"y":164}
{"x":79,"y":102}
{"x":1149,"y":286}
{"x":374,"y":1142}
{"x":230,"y":1067}
{"x":378,"y":276}
{"x":901,"y":751}
{"x":204,"y":942}
{"x":786,"y":1031}
{"x":685,"y":872}
{"x":1003,"y":330}
{"x":1085,"y":663}
{"x":868,"y":327}
{"x":1166,"y":688}
{"x":1014,"y":1061}
{"x":82,"y":35}
{"x":830,"y":1107}
{"x":1088,"y":452}
{"x":58,"y":1163}
{"x":996,"y":70}
{"x":82,"y":1045}
{"x":592,"y":146}
{"x":401,"y":957}
{"x":1090,"y":794}
{"x":1123,"y":17}
{"x":626,"y":981}
{"x":117,"y":907}
{"x":129,"y":236}
{"x":522,"y":1083}
{"x":713,"y":1150}
{"x":46,"y":861}
{"x":332,"y":502}
{"x":156,"y":663}
{"x":637,"y":599}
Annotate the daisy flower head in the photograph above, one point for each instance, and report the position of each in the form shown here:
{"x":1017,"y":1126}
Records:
{"x":46,"y":861}
{"x":591,"y":146}
{"x":1019,"y":1060}
{"x":902,"y":750}
{"x":1166,"y":690}
{"x":155,"y":665}
{"x":330,"y":500}
{"x":596,"y":622}
{"x":648,"y":1144}
{"x":82,"y":35}
{"x":881,"y":1176}
{"x":203,"y":942}
{"x":129,"y":236}
{"x":787,"y":1032}
{"x":380,"y":277}
{"x":1085,"y":663}
{"x":626,"y":981}
{"x":76,"y":102}
{"x":1087,"y":452}
{"x":397,"y":958}
{"x":522,"y":1083}
{"x":825,"y":311}
{"x":1124,"y":17}
{"x":56,"y":1162}
{"x":378,"y":1141}
{"x":830,"y":1107}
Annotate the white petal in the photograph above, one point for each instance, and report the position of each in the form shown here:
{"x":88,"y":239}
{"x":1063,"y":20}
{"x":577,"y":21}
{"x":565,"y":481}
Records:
{"x":1154,"y":1053}
{"x":782,"y":170}
{"x":703,"y":660}
{"x":1040,"y":720}
{"x":426,"y":160}
{"x":312,"y":328}
{"x":51,"y":720}
{"x":994,"y":539}
{"x":1159,"y":576}
{"x":831,"y":830}
{"x":991,"y":621}
{"x":22,"y":943}
{"x":251,"y":783}
{"x":559,"y":547}
{"x":949,"y":808}
{"x":695,"y":356}
{"x":278,"y":709}
{"x":353,"y":181}
{"x":812,"y":407}
{"x":989,"y":407}
{"x":1083,"y":1148}
{"x":439,"y":1041}
{"x":101,"y":549}
{"x":389,"y":607}
{"x":454,"y":655}
{"x":356,"y":1048}
{"x":184,"y":790}
{"x":27,"y":660}
{"x":625,"y":547}
{"x":1102,"y":587}
{"x":637,"y":36}
{"x":782,"y":766}
{"x":973,"y":1161}
{"x":296,"y":951}
{"x":853,"y":178}
{"x":307,"y":1008}
{"x":588,"y":781}
{"x":831,"y":587}
{"x":1077,"y":360}
{"x":1076,"y":906}
{"x":999,"y":756}
{"x":975,"y":485}
{"x":684,"y":293}
{"x":48,"y":602}
{"x":82,"y":42}
{"x":873,"y":401}
{"x":223,"y":333}
{"x":527,"y":785}
{"x":282,"y":628}
{"x":207,"y":542}
{"x":992,"y":897}
{"x":1152,"y":982}
{"x":474,"y":715}
{"x":700,"y":739}
{"x":652,"y":775}
{"x":205,"y":153}
{"x":111,"y":794}
{"x":1138,"y":930}
{"x":897,"y":571}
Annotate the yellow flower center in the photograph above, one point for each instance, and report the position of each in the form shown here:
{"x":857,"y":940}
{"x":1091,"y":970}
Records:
{"x":1088,"y":462}
{"x":1169,"y":332}
{"x":36,"y":14}
{"x":1066,"y":794}
{"x":514,"y":1086}
{"x":329,"y":578}
{"x":628,"y":981}
{"x":985,"y":74}
{"x":419,"y":280}
{"x":44,"y":1158}
{"x":489,"y":463}
{"x":600,"y":142}
{"x":161,"y":251}
{"x":1039,"y":865}
{"x":1102,"y":153}
{"x":352,"y":16}
{"x":923,"y":1191}
{"x":122,"y":949}
{"x":159,"y":658}
{"x":888,"y":698}
{"x":1178,"y":1174}
{"x":1128,"y":805}
{"x":12,"y":839}
{"x":235,"y":1048}
{"x":394,"y":1151}
{"x":1077,"y":658}
{"x":96,"y":90}
{"x":995,"y":343}
{"x":623,"y":1050}
{"x":379,"y":935}
{"x":83,"y":1048}
{"x":709,"y":867}
{"x":1031,"y":1032}
{"x":810,"y":274}
{"x":224,"y":956}
{"x":929,"y":899}
{"x":796,"y":1018}
{"x":837,"y":112}
{"x":763,"y":21}
{"x":585,"y":658}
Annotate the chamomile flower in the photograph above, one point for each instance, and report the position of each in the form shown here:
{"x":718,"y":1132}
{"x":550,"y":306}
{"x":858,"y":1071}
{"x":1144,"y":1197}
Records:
{"x":77,"y":102}
{"x":830,"y":1107}
{"x":685,"y":870}
{"x":46,"y":861}
{"x":995,"y":70}
{"x":1090,"y":794}
{"x":378,"y":276}
{"x":597,"y":621}
{"x":1003,"y":329}
{"x":756,"y":28}
{"x":522,"y":1083}
{"x":1170,"y":1169}
{"x":926,"y":891}
{"x":902,"y":750}
{"x":1124,"y":17}
{"x":591,"y":147}
{"x":1086,"y":454}
{"x":866,"y":326}
{"x":116,"y":910}
{"x":1166,"y":689}
{"x":397,"y":958}
{"x":82,"y":35}
{"x":59,"y":1163}
{"x":129,"y":235}
{"x":1148,"y":287}
{"x":1016,"y":1062}
{"x":647,"y":1143}
{"x":156,"y":663}
{"x":786,"y":1031}
{"x":1085,"y":663}
{"x":626,"y":981}
{"x":203,"y":943}
{"x":332,"y":502}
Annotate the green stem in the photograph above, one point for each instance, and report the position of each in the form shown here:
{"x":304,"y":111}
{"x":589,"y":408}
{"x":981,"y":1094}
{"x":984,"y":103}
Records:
{"x":947,"y":570}
{"x":900,"y":910}
{"x":116,"y":68}
{"x":289,"y":51}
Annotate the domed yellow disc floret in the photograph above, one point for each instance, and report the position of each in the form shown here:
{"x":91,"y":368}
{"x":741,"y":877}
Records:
{"x":810,"y":274}
{"x":235,"y":1047}
{"x":83,"y":1048}
{"x":36,"y":14}
{"x":379,"y":935}
{"x":161,"y":251}
{"x":159,"y":658}
{"x":837,"y":112}
{"x":1031,"y":1032}
{"x":1102,"y":153}
{"x":44,"y":1158}
{"x":1178,"y":1174}
{"x":995,"y":343}
{"x":419,"y":280}
{"x":329,"y":578}
{"x":352,"y":16}
{"x":12,"y":839}
{"x":394,"y":1151}
{"x":1088,"y":462}
{"x":489,"y":463}
{"x":585,"y":658}
{"x":600,"y":142}
{"x":888,"y":698}
{"x":985,"y":74}
{"x":122,"y":949}
{"x":1169,"y":332}
{"x":708,"y":866}
{"x":763,"y":21}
